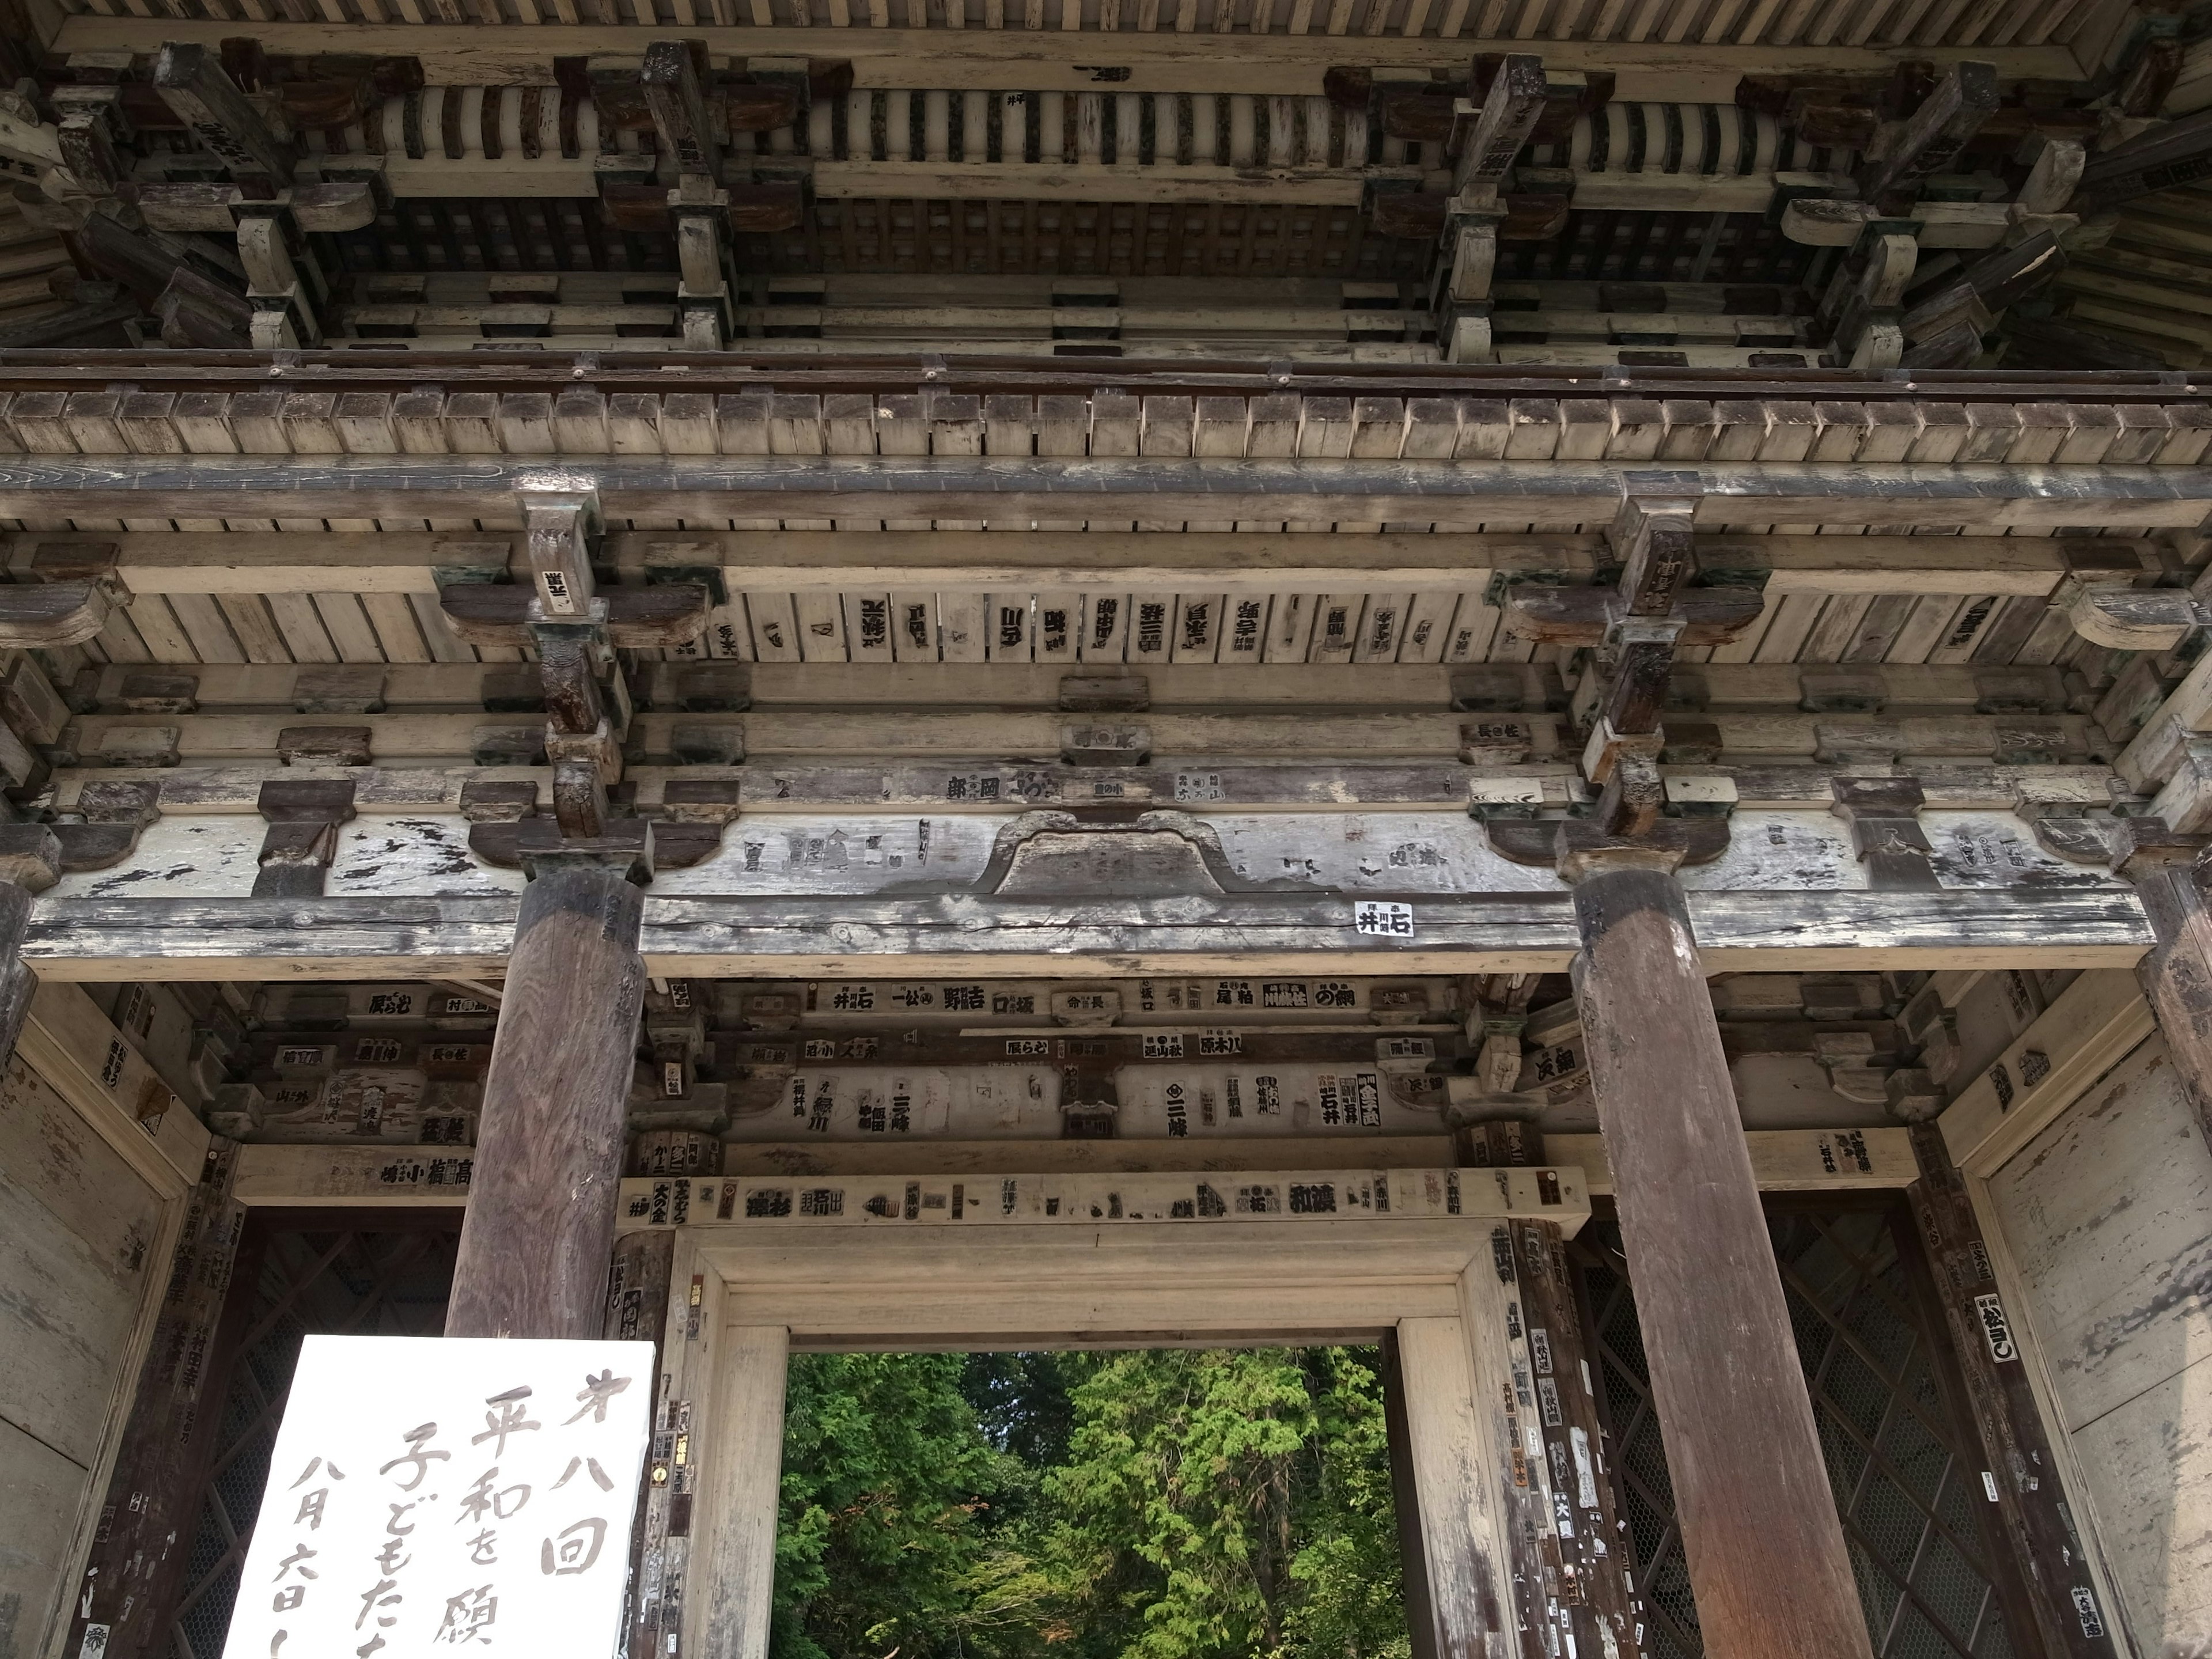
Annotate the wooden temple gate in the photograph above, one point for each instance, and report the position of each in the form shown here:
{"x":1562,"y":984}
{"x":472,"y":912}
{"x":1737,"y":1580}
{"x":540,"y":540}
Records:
{"x":1315,"y":672}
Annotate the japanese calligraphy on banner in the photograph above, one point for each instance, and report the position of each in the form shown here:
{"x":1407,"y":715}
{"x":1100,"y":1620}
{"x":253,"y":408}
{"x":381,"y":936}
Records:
{"x":429,"y":1497}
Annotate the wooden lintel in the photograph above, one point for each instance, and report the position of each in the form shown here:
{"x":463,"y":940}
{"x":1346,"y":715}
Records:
{"x":293,"y":1176}
{"x":1464,"y":494}
{"x":305,"y":561}
{"x":331,"y":938}
{"x":1023,"y":60}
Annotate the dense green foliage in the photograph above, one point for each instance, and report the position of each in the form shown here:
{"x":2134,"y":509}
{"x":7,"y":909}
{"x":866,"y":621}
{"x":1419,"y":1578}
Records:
{"x":1175,"y":1504}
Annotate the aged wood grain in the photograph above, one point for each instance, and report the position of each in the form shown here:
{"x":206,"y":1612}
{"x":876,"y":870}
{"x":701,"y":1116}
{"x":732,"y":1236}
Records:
{"x":784,"y":937}
{"x":541,"y":1215}
{"x":1463,"y":495}
{"x":2032,"y":1498}
{"x":738,"y":1510}
{"x":1751,"y":1489}
{"x":147,"y":1523}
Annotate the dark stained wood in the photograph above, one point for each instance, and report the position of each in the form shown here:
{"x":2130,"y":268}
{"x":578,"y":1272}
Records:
{"x":149,"y":1520}
{"x":193,"y":83}
{"x":1750,"y":1488}
{"x":705,"y":487}
{"x":1509,"y":112}
{"x":1594,"y":1565}
{"x":637,"y":1311}
{"x":1934,"y":134}
{"x":541,"y":1220}
{"x":2178,"y":153}
{"x":671,"y":78}
{"x":2031,"y":1502}
{"x":52,"y":613}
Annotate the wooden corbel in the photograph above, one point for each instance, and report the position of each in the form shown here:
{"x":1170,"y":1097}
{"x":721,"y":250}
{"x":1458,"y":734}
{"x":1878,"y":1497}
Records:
{"x":70,"y":591}
{"x":30,"y":856}
{"x":488,"y":613}
{"x":2130,"y":618}
{"x":689,"y":831}
{"x":1552,"y":843}
{"x":1883,"y":813}
{"x":301,"y":842}
{"x":114,"y":814}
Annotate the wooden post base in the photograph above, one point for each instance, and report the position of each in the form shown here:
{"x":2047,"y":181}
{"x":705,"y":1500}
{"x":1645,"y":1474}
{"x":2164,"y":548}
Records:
{"x":1764,"y":1547}
{"x":541,"y":1217}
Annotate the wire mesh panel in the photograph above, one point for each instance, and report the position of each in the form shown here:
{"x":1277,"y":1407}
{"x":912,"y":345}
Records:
{"x":310,"y":1284}
{"x":1907,"y":1479}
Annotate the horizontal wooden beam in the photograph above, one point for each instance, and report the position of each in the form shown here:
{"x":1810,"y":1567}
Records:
{"x":785,"y":937}
{"x":1229,"y":561}
{"x":1017,"y":488}
{"x":1045,"y":61}
{"x":884,"y":739}
{"x":2091,"y":1027}
{"x":922,"y":687}
{"x":310,"y":1177}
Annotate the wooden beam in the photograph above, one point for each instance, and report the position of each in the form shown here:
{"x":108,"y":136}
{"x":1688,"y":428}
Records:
{"x":541,"y":1218}
{"x":813,"y":561}
{"x":1751,"y":1489}
{"x":1053,"y":181}
{"x":2080,"y":1038}
{"x":287,"y":1176}
{"x":1021,"y":488}
{"x":401,"y":938}
{"x":1023,"y":60}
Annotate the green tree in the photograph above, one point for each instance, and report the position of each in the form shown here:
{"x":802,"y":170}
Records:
{"x":887,"y":1479}
{"x":1175,"y":1504}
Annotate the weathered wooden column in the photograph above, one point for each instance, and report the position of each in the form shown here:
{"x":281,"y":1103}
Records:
{"x":1462,"y":1459}
{"x":735,"y":1572}
{"x":2177,"y":975}
{"x":1765,"y":1549}
{"x":541,"y":1215}
{"x":30,"y":862}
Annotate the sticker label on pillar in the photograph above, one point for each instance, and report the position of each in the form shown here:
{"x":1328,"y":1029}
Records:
{"x":1997,"y":1329}
{"x":2085,"y":1609}
{"x":1384,"y":917}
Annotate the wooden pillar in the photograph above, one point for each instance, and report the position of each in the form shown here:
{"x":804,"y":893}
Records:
{"x":2042,"y":1561}
{"x":541,"y":1216}
{"x":1463,"y":1475}
{"x":30,"y":862}
{"x":1590,"y":1598}
{"x":1406,"y":1508}
{"x":2177,"y":976}
{"x":1764,"y":1547}
{"x":737,"y":1545}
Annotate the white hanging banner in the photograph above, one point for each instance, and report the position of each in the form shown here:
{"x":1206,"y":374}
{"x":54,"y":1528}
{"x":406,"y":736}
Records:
{"x":430,"y":1496}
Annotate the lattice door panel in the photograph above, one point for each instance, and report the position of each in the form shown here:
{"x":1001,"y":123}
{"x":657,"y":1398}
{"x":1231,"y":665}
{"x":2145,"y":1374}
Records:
{"x":310,"y":1284}
{"x":1907,"y":1479}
